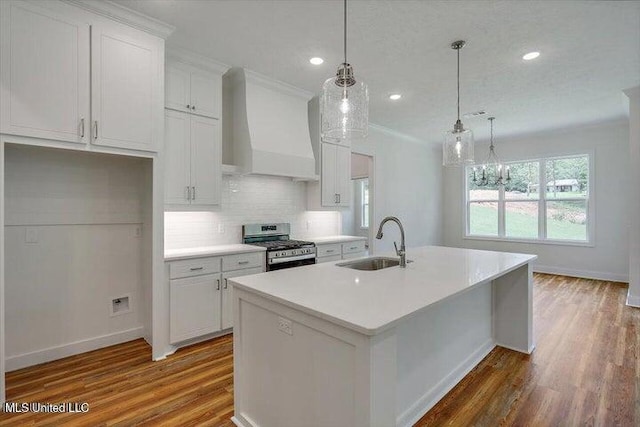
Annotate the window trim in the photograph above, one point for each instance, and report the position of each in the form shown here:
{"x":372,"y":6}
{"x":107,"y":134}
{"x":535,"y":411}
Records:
{"x":361,"y":203}
{"x":542,"y":206}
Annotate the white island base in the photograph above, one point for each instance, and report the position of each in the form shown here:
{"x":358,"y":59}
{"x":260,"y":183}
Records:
{"x":328,"y":346}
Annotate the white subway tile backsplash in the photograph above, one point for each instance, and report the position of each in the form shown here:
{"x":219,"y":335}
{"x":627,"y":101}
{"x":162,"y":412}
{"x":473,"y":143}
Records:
{"x":245,"y":200}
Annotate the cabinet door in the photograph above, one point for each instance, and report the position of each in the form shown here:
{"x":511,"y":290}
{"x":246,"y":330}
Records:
{"x":178,"y":88}
{"x":206,"y":161}
{"x":328,"y":175}
{"x":44,"y":74}
{"x":194,"y":307}
{"x":177,"y":185}
{"x":343,"y":175}
{"x":126,"y":97}
{"x":205,"y":94}
{"x":227,"y":293}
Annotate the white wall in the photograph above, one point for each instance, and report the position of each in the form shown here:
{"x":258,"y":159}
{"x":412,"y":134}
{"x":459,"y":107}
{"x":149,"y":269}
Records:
{"x":634,"y":197}
{"x":608,"y":258}
{"x":246,"y":200}
{"x":2,"y":305}
{"x":407,"y":184}
{"x":84,"y":210}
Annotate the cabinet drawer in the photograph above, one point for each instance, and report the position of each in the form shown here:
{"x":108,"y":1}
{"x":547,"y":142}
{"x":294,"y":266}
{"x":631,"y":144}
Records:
{"x":328,"y":250}
{"x":352,"y":247}
{"x":240,"y":261}
{"x":332,"y":258}
{"x":194,"y":267}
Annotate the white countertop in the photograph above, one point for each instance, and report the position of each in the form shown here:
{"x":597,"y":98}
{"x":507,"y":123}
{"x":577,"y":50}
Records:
{"x":202,"y":251}
{"x":370,"y":302}
{"x":333,"y":239}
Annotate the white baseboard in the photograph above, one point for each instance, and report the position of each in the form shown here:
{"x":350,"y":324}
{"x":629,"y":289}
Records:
{"x":633,"y":300}
{"x":586,"y":274}
{"x":431,"y":397}
{"x":20,"y":361}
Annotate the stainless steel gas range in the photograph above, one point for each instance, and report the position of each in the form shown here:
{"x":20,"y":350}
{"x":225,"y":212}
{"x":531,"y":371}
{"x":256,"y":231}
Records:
{"x":282,"y":252}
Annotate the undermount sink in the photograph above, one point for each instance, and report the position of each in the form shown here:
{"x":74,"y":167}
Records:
{"x":371,"y":264}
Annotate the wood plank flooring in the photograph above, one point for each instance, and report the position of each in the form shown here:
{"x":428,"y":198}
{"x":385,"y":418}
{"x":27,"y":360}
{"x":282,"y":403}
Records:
{"x":585,"y":371}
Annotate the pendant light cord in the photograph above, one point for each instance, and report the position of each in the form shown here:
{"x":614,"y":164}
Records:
{"x":345,"y":31}
{"x":458,"y":50}
{"x":491,"y":121}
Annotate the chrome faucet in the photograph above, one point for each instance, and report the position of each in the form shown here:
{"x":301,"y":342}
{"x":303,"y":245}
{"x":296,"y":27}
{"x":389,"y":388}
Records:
{"x":402,"y":252}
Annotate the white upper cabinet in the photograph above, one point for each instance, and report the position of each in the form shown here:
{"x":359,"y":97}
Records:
{"x":206,"y":161}
{"x":44,"y":75}
{"x":335,"y":175}
{"x":73,"y":76}
{"x":177,"y":150}
{"x":125,"y":78}
{"x":178,"y":88}
{"x":192,"y":90}
{"x":206,"y":98}
{"x":193,"y":168}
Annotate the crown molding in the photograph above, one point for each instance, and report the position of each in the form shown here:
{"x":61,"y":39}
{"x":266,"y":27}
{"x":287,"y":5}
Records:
{"x":197,"y":60}
{"x":256,"y":78}
{"x":125,"y":16}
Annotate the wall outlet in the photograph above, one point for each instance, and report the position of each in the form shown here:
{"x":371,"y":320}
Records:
{"x":137,"y":232}
{"x":221,"y":228}
{"x":31,"y":235}
{"x":284,"y":325}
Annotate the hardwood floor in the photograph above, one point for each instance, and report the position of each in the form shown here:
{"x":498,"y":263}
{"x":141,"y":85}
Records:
{"x":585,"y":371}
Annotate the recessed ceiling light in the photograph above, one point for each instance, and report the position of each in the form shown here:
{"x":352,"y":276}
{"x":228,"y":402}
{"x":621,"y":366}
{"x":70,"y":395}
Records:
{"x":316,"y":60}
{"x":531,"y":55}
{"x":395,"y":96}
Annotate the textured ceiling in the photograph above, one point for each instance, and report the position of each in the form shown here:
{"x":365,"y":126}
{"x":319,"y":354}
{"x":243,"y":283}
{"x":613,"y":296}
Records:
{"x":590,"y":52}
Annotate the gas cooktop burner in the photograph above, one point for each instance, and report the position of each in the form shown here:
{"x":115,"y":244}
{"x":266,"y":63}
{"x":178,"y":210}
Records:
{"x":276,"y":245}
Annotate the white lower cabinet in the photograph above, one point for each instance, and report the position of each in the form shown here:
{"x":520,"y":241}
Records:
{"x":195,"y":306}
{"x":331,"y":252}
{"x":201,"y":297}
{"x":227,"y":293}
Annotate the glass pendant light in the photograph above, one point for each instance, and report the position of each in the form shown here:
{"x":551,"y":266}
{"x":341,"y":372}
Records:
{"x":344,"y":105}
{"x":492,"y":165}
{"x":457,"y":149}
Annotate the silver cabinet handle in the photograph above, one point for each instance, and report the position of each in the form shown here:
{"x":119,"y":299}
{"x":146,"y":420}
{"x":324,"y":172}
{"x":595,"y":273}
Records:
{"x":226,"y":283}
{"x":196,"y":268}
{"x":218,"y":287}
{"x":353,"y":247}
{"x":188,"y":191}
{"x":82,"y":127}
{"x":338,"y":197}
{"x":193,"y":193}
{"x":188,"y":106}
{"x":243,"y":262}
{"x":193,"y":107}
{"x":330,"y":251}
{"x":95,"y":130}
{"x":335,"y":198}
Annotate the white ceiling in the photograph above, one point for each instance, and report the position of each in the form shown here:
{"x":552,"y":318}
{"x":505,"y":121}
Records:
{"x":590,"y":52}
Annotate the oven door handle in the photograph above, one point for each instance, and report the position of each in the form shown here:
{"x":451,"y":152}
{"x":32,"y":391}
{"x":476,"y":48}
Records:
{"x":293,"y":258}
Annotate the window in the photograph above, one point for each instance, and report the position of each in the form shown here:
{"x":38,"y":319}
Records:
{"x":524,"y":209}
{"x":364,"y":203}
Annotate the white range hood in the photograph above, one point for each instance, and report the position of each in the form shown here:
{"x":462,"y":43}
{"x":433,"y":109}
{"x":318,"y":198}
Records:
{"x":270,"y":126}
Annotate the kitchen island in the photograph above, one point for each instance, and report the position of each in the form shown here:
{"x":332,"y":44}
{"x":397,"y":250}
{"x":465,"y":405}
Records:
{"x":324,"y":345}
